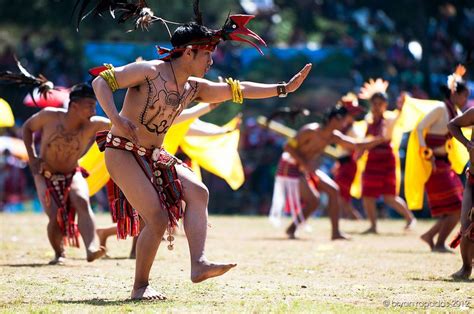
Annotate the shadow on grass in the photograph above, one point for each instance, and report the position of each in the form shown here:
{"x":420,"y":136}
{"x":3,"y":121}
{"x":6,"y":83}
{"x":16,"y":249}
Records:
{"x":278,"y":239}
{"x":443,"y":279}
{"x":26,"y":265}
{"x":105,"y":302}
{"x":381,"y":234}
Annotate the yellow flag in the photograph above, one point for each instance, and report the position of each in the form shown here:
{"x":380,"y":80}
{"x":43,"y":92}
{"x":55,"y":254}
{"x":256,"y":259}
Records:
{"x":417,"y":169}
{"x":218,"y":154}
{"x":6,"y":115}
{"x":94,"y":162}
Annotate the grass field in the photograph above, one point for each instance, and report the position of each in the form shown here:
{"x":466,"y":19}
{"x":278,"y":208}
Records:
{"x":313,"y":274}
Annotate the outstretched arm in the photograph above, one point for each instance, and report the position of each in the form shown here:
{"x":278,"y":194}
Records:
{"x":464,"y":120}
{"x":195,"y":112}
{"x":353,"y":144}
{"x":218,"y":92}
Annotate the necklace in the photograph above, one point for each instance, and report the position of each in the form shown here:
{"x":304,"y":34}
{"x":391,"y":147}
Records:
{"x":177,"y":88}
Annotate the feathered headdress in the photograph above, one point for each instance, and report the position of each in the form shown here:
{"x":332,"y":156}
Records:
{"x":234,"y":27}
{"x":372,"y":87}
{"x":351,"y":103}
{"x":456,"y":78}
{"x":25,"y":79}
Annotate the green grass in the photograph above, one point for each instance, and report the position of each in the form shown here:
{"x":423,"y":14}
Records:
{"x":274,"y":275}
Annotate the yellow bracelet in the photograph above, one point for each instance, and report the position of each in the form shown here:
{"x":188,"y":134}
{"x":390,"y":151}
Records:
{"x":292,"y":142}
{"x":109,"y":77}
{"x":426,"y":152}
{"x":236,"y":90}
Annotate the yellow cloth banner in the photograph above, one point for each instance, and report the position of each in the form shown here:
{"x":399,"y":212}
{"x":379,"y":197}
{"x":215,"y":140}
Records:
{"x":417,"y":169}
{"x":6,"y":115}
{"x":218,"y":154}
{"x":94,"y":162}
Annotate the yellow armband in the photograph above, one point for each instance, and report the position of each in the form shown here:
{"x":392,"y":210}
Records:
{"x":109,"y":76}
{"x":426,"y":152}
{"x":237,"y":95}
{"x":292,"y":142}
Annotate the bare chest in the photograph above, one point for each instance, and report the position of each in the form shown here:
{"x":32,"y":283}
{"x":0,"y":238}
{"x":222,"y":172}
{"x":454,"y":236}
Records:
{"x":312,"y":146}
{"x":156,"y":103}
{"x":62,"y":146}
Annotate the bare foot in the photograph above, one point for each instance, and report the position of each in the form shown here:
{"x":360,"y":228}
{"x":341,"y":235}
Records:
{"x":428,"y":239}
{"x":92,"y":256}
{"x":290,"y":232}
{"x":442,"y":249}
{"x":371,"y":230}
{"x":463,"y":274}
{"x":60,"y":260}
{"x":203,"y":270}
{"x":410,"y":226}
{"x":340,"y":236}
{"x":102,"y":237}
{"x":147,"y":293}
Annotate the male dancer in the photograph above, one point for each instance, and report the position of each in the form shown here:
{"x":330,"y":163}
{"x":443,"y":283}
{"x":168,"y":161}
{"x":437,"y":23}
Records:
{"x":444,"y":188}
{"x":346,"y":166}
{"x":66,"y":135}
{"x":467,"y":211}
{"x":150,"y":180}
{"x":300,"y":161}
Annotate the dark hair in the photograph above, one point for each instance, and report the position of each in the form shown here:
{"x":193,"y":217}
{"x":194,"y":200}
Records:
{"x":187,"y":33}
{"x":81,"y":90}
{"x":338,"y":111}
{"x":446,"y":92}
{"x":380,"y":95}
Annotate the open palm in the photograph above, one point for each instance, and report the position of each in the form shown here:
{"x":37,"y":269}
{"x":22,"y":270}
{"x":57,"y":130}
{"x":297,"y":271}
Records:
{"x":298,"y":79}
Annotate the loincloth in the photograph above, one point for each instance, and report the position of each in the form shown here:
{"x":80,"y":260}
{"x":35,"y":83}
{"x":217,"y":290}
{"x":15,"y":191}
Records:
{"x":159,"y":167}
{"x":286,"y":192}
{"x":58,"y":186}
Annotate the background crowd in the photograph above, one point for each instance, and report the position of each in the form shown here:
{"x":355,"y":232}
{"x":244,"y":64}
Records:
{"x":412,"y":44}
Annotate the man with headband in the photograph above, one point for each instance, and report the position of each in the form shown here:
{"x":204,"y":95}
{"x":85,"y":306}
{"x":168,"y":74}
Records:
{"x":298,"y":179}
{"x":150,"y":182}
{"x":66,"y":135}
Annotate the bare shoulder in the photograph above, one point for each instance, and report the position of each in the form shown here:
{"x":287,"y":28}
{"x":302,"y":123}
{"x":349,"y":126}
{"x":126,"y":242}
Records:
{"x":53,"y":113}
{"x":310,"y":128}
{"x":100,"y":123}
{"x":149,"y":68}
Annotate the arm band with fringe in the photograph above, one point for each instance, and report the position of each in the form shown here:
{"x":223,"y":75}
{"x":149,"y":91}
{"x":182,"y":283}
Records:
{"x":109,"y":76}
{"x":237,"y":95}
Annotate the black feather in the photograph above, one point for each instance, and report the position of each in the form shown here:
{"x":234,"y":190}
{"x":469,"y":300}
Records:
{"x":197,"y":12}
{"x":126,"y":8}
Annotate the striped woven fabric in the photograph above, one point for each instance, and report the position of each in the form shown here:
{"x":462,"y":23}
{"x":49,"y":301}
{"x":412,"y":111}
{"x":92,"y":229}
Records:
{"x":288,"y":169}
{"x":379,"y":176}
{"x":436,"y":140}
{"x":58,"y":187}
{"x":444,"y":189}
{"x":159,"y":167}
{"x":345,"y":174}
